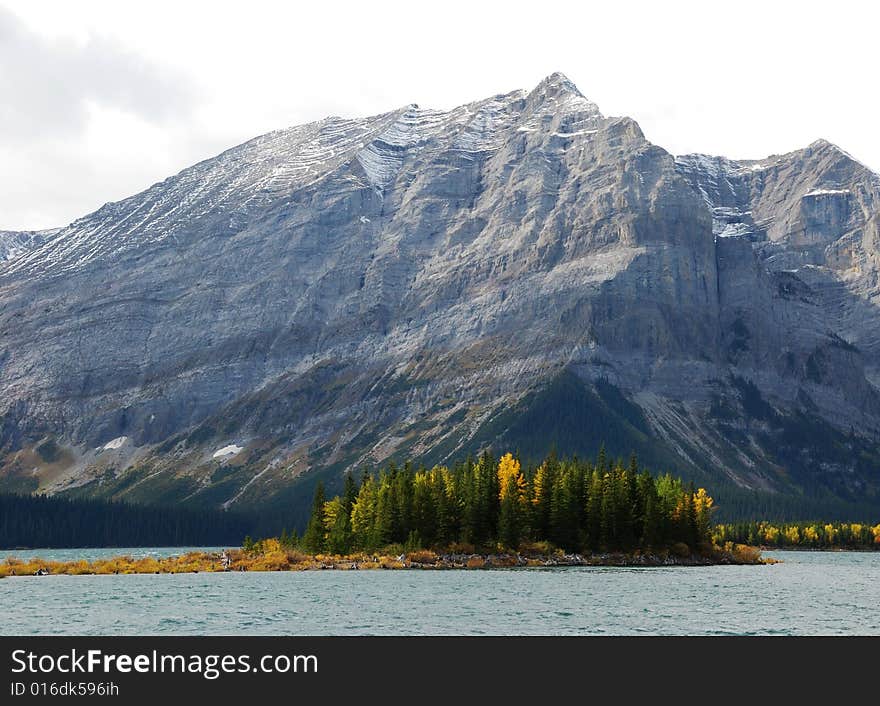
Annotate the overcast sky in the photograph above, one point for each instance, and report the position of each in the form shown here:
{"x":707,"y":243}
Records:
{"x":99,"y":99}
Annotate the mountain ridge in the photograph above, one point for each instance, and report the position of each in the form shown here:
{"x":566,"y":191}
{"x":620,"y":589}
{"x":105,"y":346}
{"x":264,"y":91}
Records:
{"x":347,"y":291}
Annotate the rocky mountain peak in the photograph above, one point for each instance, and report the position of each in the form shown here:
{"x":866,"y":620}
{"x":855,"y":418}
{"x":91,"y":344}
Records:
{"x":423,"y":283}
{"x":558,"y":82}
{"x":558,"y":92}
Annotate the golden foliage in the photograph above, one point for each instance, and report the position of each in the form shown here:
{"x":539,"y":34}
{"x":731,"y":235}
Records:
{"x":746,"y":554}
{"x":830,"y":533}
{"x":702,"y":501}
{"x":422,"y":556}
{"x":541,"y":485}
{"x":509,"y":469}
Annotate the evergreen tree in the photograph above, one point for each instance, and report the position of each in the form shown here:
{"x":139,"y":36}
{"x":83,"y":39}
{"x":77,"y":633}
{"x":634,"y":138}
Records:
{"x":337,"y":524}
{"x":383,"y":526}
{"x":363,"y":514}
{"x":623,"y":510}
{"x":512,"y":499}
{"x":313,"y":539}
{"x":349,"y":494}
{"x":690,"y":529}
{"x":424,"y":509}
{"x":602,"y":461}
{"x":442,"y":495}
{"x":509,"y":520}
{"x":608,"y":532}
{"x":467,"y":482}
{"x":542,"y":495}
{"x":652,"y":527}
{"x":487,"y":493}
{"x":564,"y":511}
{"x":594,"y":511}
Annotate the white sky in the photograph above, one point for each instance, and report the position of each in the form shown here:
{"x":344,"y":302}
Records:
{"x":99,"y":99}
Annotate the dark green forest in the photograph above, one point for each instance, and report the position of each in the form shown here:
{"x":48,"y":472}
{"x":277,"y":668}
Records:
{"x":40,"y":521}
{"x":571,"y":504}
{"x":563,"y":517}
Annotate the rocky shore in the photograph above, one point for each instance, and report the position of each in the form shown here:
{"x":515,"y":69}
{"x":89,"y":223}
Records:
{"x":275,"y":558}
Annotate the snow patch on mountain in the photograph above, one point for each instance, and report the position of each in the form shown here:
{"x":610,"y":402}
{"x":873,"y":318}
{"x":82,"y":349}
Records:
{"x":116,"y":443}
{"x":227,"y":451}
{"x":15,"y":244}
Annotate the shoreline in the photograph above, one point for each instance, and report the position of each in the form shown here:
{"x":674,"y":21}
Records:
{"x":238,"y":560}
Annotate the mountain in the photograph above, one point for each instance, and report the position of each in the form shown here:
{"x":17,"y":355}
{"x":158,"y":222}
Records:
{"x":14,"y":244}
{"x":520,"y":272}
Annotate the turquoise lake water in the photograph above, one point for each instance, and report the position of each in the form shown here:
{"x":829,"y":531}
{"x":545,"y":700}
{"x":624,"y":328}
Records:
{"x":810,"y":593}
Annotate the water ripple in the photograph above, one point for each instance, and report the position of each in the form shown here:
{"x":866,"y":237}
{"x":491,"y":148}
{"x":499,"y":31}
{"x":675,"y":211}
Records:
{"x":810,"y":593}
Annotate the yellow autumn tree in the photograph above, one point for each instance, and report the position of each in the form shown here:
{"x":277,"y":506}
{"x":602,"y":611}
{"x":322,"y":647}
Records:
{"x":509,"y":469}
{"x":541,"y":486}
{"x":513,"y":493}
{"x":702,"y":510}
{"x":811,"y":534}
{"x":830,"y":534}
{"x":332,"y":509}
{"x":771,"y":534}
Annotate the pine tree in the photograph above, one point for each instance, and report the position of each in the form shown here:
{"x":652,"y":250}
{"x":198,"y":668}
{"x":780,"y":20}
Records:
{"x":509,"y":520}
{"x":467,"y":481}
{"x":607,"y":533}
{"x":442,"y":495}
{"x":382,"y":528}
{"x":424,"y":509}
{"x":594,"y":512}
{"x":488,"y":493}
{"x":602,"y":461}
{"x":623,"y":509}
{"x":513,"y":495}
{"x":401,"y":503}
{"x":564,"y":511}
{"x":542,"y":495}
{"x":313,"y":539}
{"x":349,"y":493}
{"x":363,"y":514}
{"x":691,"y":518}
{"x":337,"y":523}
{"x":652,"y":527}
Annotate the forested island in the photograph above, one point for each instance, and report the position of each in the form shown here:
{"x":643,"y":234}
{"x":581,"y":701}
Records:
{"x":573,"y":505}
{"x":482,"y":513}
{"x":479,"y":513}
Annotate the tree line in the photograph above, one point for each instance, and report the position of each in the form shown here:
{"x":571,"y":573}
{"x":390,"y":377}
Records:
{"x":807,"y":535}
{"x":572,"y":504}
{"x":42,"y":521}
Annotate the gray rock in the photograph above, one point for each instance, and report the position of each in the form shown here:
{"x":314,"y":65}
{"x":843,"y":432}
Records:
{"x":347,"y":291}
{"x":14,"y":244}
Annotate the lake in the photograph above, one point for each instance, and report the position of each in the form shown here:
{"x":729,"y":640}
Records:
{"x":810,"y":593}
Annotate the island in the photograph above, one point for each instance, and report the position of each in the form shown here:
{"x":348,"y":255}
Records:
{"x":481,"y":513}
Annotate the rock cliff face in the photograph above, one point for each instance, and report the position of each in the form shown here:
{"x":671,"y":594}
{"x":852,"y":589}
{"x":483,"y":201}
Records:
{"x":14,"y":244}
{"x":520,"y":271}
